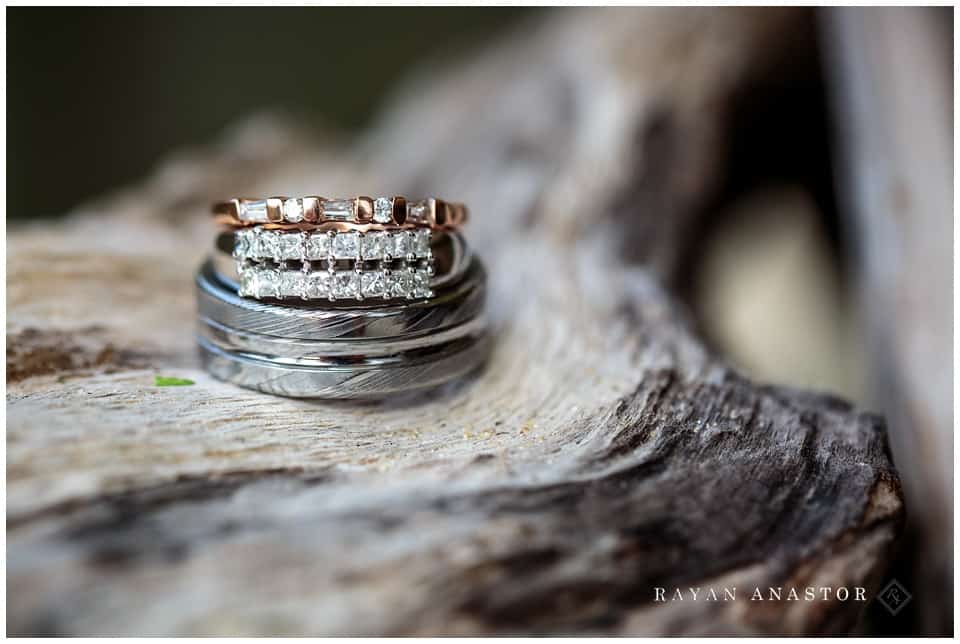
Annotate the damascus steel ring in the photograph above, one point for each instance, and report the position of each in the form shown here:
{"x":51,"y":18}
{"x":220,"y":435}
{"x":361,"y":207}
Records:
{"x":341,"y":352}
{"x":332,"y":352}
{"x":451,"y":305}
{"x":365,"y":379}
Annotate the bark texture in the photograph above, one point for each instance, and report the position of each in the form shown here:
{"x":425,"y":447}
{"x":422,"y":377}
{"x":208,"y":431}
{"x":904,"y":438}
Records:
{"x":602,"y":453}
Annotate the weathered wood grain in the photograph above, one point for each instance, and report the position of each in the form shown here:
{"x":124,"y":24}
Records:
{"x":893,"y":93}
{"x":603,"y":451}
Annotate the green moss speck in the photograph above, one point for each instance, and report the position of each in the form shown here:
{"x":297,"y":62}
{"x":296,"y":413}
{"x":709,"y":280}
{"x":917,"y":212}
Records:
{"x":166,"y":381}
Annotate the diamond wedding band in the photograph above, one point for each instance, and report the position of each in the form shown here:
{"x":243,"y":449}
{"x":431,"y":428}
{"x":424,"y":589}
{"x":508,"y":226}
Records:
{"x":317,"y":211}
{"x":341,"y":298}
{"x":336,"y":266}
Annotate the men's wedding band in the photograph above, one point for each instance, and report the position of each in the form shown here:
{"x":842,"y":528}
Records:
{"x":452,"y":304}
{"x":347,"y":351}
{"x":430,"y":369}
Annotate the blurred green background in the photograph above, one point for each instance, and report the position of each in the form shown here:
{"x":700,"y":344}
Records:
{"x":96,"y":96}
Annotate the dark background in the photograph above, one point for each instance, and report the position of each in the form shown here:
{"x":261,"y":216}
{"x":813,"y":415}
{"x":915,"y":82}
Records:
{"x":96,"y":96}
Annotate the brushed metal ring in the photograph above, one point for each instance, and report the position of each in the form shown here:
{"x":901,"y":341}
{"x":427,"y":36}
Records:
{"x":427,"y":370}
{"x":332,"y":352}
{"x":455,"y":303}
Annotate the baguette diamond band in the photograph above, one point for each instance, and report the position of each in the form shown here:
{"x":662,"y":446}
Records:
{"x":433,"y":213}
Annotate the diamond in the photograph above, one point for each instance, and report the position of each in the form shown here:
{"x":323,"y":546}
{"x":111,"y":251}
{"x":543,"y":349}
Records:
{"x":248,"y":283}
{"x":372,"y":284}
{"x":346,"y":246}
{"x":289,"y":246}
{"x":255,"y":211}
{"x":318,"y":246}
{"x":421,"y":284}
{"x":241,"y":244}
{"x":318,"y":285}
{"x":373,"y":245}
{"x":418,"y":212}
{"x":269,"y":244}
{"x":253,"y":238}
{"x":421,"y":243}
{"x":346,"y":284}
{"x":293,"y":210}
{"x":339,"y":209}
{"x":402,"y":245}
{"x":267,"y":283}
{"x":292,"y":283}
{"x":401,"y":283}
{"x":383,"y":210}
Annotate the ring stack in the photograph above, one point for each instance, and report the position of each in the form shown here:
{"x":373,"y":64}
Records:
{"x":341,"y":298}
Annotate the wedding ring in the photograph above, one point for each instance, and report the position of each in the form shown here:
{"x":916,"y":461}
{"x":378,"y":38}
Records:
{"x":345,"y":352}
{"x":341,"y":298}
{"x":290,"y":265}
{"x":364,"y":380}
{"x":307,"y":213}
{"x":453,"y":304}
{"x":332,"y":352}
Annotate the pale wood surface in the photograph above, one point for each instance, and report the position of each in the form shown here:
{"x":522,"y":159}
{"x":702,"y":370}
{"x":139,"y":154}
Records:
{"x":893,"y":92}
{"x":603,"y":451}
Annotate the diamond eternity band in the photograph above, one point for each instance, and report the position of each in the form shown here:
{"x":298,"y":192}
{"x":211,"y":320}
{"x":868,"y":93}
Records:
{"x":382,"y":265}
{"x":259,"y":244}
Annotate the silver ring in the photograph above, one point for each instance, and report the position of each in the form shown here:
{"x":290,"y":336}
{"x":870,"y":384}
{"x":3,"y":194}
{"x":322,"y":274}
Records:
{"x":331,"y":352}
{"x":344,"y":315}
{"x":428,"y":369}
{"x":217,"y":301}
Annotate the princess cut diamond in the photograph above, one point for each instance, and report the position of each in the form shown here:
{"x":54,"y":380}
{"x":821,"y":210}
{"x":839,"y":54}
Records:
{"x":346,"y":246}
{"x":289,"y":246}
{"x":318,"y":246}
{"x":402,"y":245}
{"x":372,"y":284}
{"x":269,"y":244}
{"x":401,"y":283}
{"x":268,"y":283}
{"x":421,"y":242}
{"x":317,"y":285}
{"x":241,"y":244}
{"x":372,"y":245}
{"x":421,"y":284}
{"x":346,"y":284}
{"x":249,"y":283}
{"x":292,"y":283}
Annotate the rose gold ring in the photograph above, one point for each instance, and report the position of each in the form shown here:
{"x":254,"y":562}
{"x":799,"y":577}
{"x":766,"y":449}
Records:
{"x":358,"y":213}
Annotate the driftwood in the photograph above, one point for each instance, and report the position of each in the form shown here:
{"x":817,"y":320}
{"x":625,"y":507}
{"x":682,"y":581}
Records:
{"x":893,"y":92}
{"x":602,"y":453}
